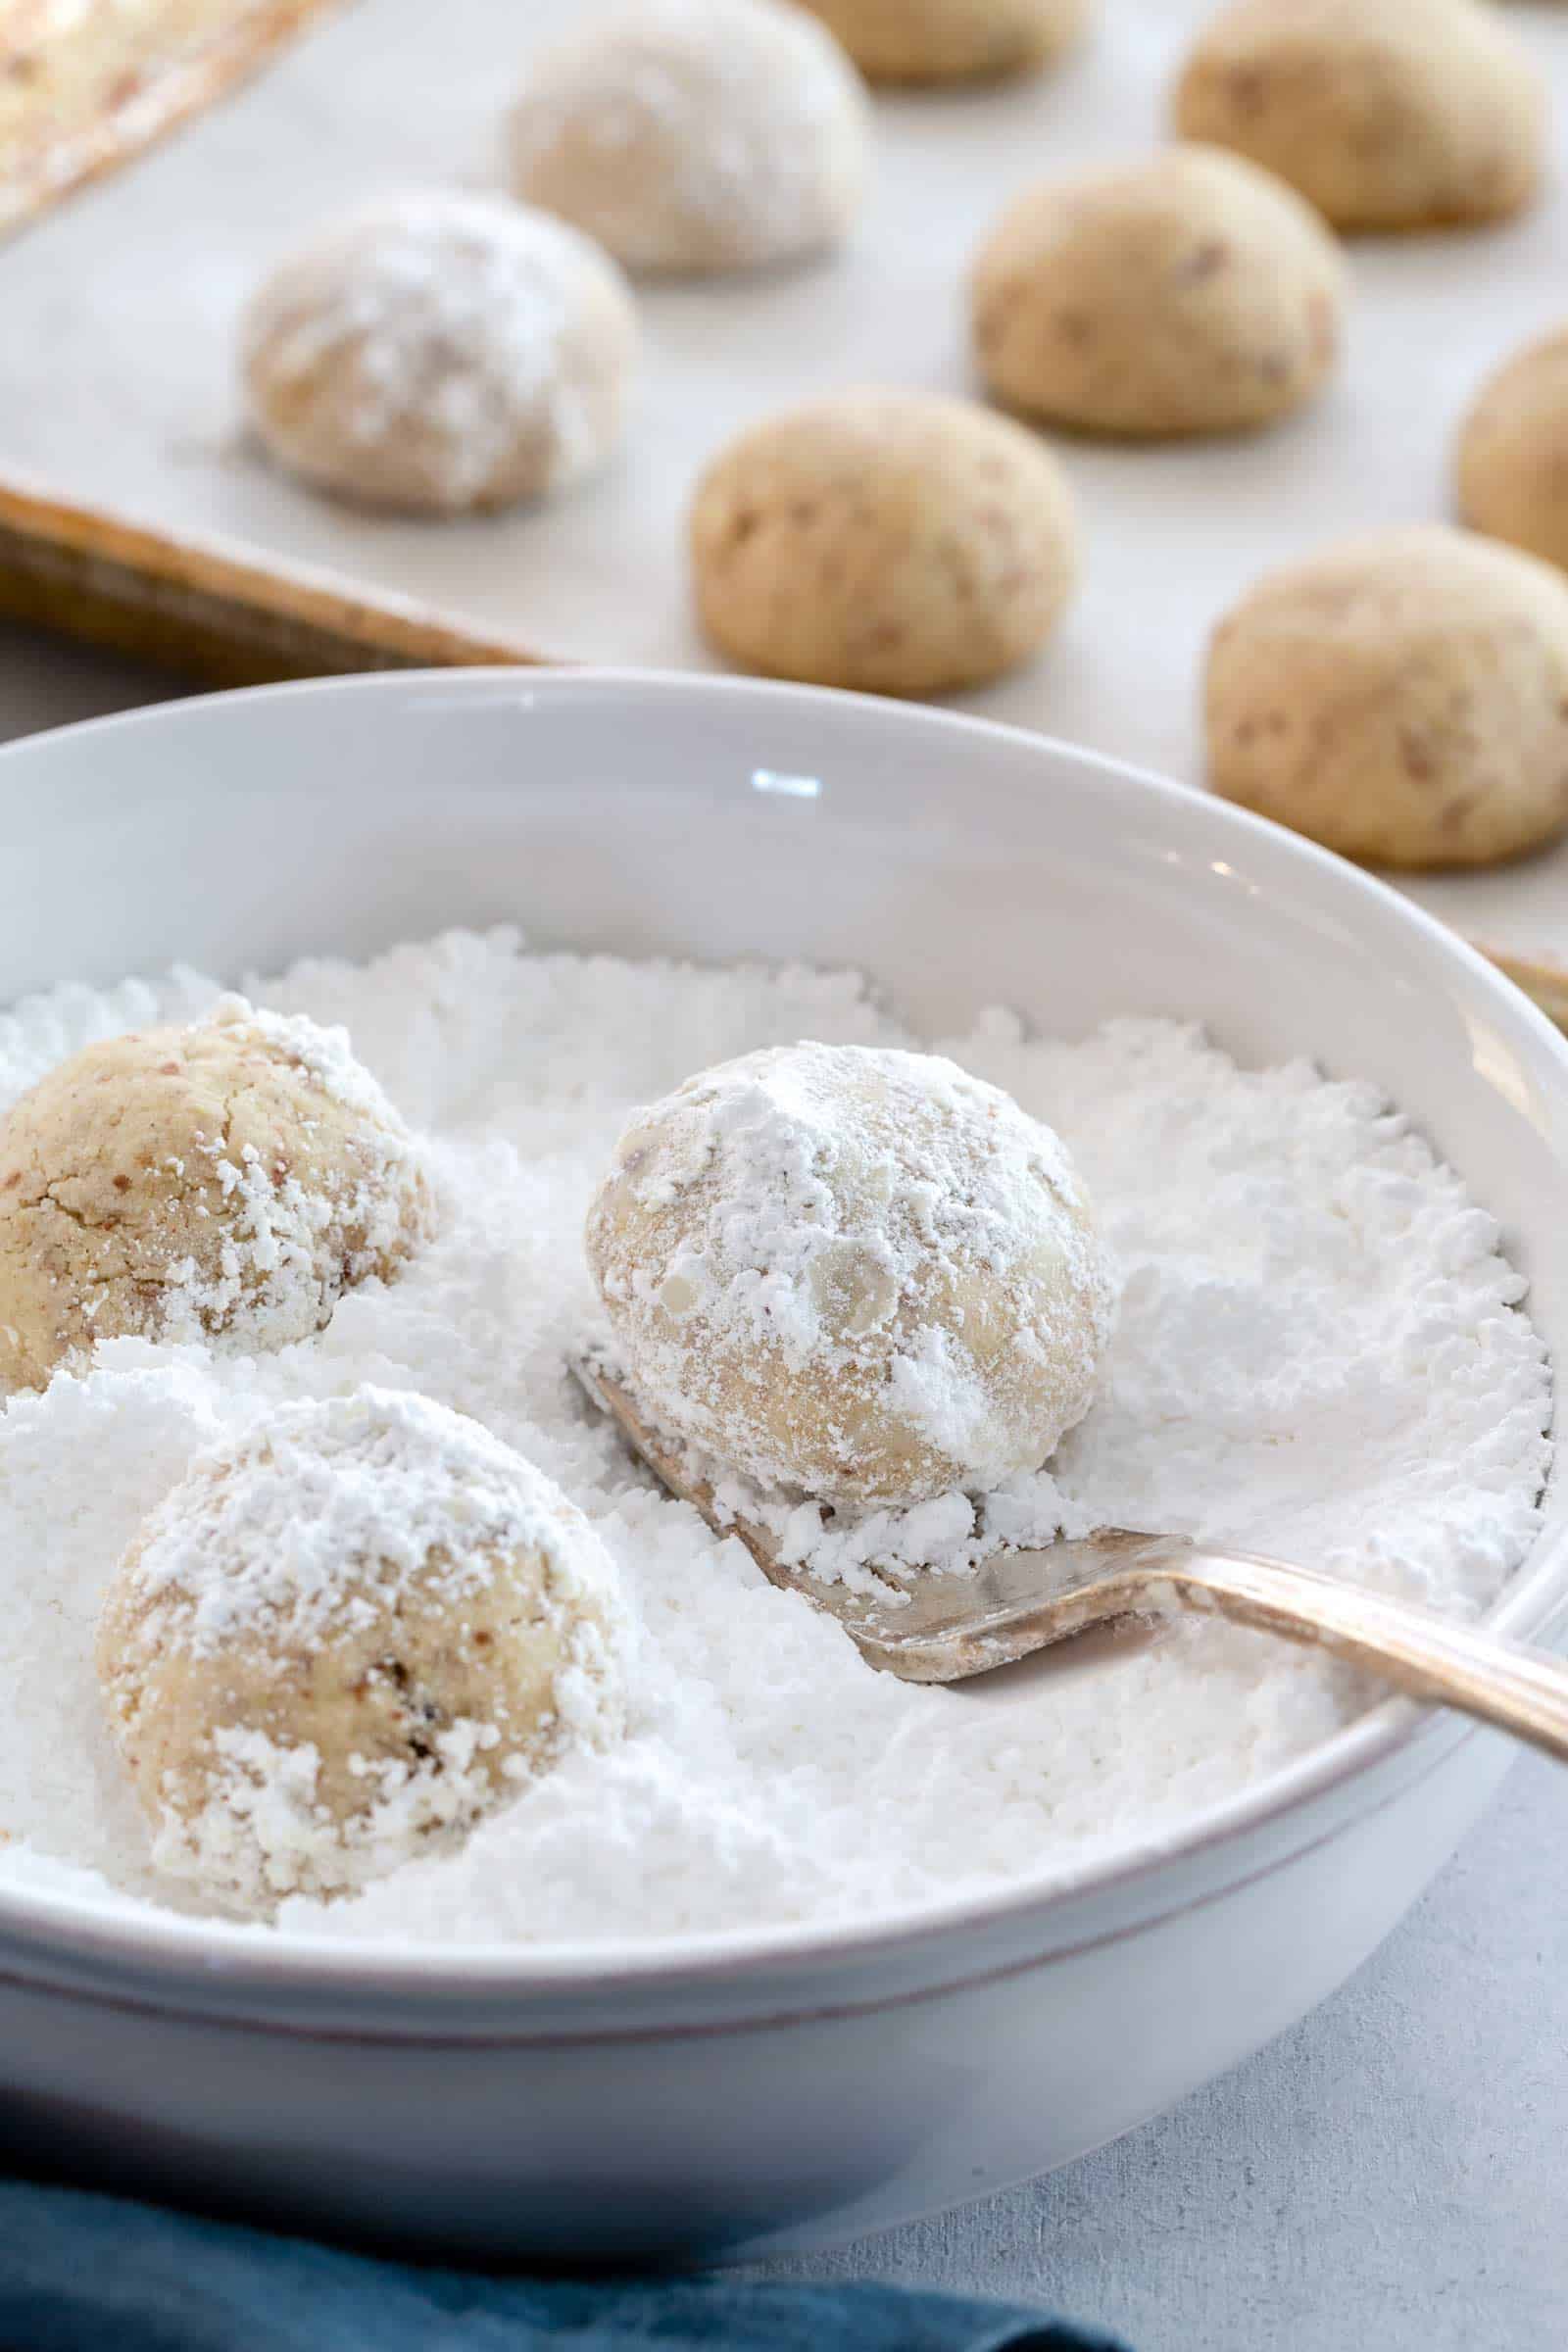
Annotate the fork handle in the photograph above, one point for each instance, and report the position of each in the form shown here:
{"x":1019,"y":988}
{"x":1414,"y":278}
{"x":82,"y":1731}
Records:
{"x":1521,"y":1690}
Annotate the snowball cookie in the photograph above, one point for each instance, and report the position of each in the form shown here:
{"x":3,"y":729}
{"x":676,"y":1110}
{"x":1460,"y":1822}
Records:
{"x":1403,"y":697}
{"x":1513,"y":452}
{"x":1386,"y":114}
{"x":695,"y":134}
{"x":950,"y":41}
{"x":346,"y":1635}
{"x":859,"y":1273}
{"x":1189,"y":294}
{"x":891,"y":541}
{"x":225,"y":1182}
{"x":438,"y":352}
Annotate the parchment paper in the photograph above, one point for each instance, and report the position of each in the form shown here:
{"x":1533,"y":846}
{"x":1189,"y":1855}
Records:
{"x":117,"y":326}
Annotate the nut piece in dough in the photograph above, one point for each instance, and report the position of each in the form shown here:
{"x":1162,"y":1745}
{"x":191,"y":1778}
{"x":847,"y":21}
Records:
{"x":950,"y":41}
{"x":858,"y":1273}
{"x":1513,"y":452}
{"x":227,"y":1182}
{"x":891,"y":541}
{"x":1385,"y":114}
{"x":1189,"y":294}
{"x":1401,"y":698}
{"x":343,"y":1638}
{"x":439,"y":353}
{"x":695,"y":134}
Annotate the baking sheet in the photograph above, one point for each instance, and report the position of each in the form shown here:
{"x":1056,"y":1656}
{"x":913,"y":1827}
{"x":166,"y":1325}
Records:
{"x":116,"y":372}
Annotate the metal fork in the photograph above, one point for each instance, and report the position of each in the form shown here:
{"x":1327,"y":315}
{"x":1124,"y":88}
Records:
{"x":927,"y":1626}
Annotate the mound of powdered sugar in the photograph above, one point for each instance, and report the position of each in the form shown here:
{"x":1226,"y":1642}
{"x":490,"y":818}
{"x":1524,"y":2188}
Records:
{"x":1320,"y":1353}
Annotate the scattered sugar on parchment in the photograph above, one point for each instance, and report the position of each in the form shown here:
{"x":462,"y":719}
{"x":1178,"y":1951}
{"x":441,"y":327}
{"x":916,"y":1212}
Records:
{"x":1319,"y":1352}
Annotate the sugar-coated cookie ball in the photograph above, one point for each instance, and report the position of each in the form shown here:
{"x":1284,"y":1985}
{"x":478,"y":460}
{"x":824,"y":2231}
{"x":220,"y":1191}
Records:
{"x":343,"y":1638}
{"x":225,"y":1182}
{"x":1403,"y":697}
{"x":1189,"y":294}
{"x":695,"y":134}
{"x":1513,"y":452}
{"x":1385,"y":114}
{"x":891,"y":541}
{"x":858,"y":1273}
{"x":437,"y":353}
{"x":950,"y":41}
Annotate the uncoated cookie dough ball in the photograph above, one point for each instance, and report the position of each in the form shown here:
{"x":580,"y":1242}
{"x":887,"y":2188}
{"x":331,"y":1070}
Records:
{"x":437,"y":353}
{"x":343,"y":1638}
{"x":1189,"y":294}
{"x":1403,"y":697}
{"x":1385,"y":114}
{"x":227,"y":1182}
{"x":890,"y":541}
{"x":950,"y":41}
{"x":695,"y":134}
{"x":1513,"y":452}
{"x":859,"y":1273}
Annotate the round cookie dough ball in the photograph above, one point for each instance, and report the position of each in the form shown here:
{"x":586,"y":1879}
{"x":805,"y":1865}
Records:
{"x":1402,"y":115}
{"x":950,"y":41}
{"x":1189,"y":294}
{"x":1403,"y":697}
{"x":695,"y":134}
{"x":438,"y":353}
{"x":1513,"y":452}
{"x":857,"y":1273}
{"x":227,"y":1182}
{"x":890,"y":541}
{"x":343,"y":1638}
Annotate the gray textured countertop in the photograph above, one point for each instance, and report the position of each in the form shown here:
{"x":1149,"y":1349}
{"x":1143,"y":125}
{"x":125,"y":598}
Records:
{"x":1389,"y":2176}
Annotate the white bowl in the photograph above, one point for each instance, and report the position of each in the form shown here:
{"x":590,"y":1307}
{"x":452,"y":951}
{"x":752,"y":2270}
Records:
{"x":748,"y":2092}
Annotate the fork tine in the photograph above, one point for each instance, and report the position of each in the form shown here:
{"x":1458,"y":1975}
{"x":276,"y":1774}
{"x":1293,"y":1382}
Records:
{"x":857,"y":1612}
{"x":933,"y":1626}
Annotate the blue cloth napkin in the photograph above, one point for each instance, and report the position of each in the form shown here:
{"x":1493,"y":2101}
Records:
{"x":81,"y":2273}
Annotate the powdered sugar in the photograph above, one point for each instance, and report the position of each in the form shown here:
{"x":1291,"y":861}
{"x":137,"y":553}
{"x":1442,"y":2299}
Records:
{"x":361,"y":1623}
{"x":224,"y":1180}
{"x":853,"y":1271}
{"x":319,"y":1519}
{"x":1319,"y":1352}
{"x":482,"y":335}
{"x":287,"y":1246}
{"x":264,"y":1829}
{"x":326,"y":1053}
{"x":693,"y":134}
